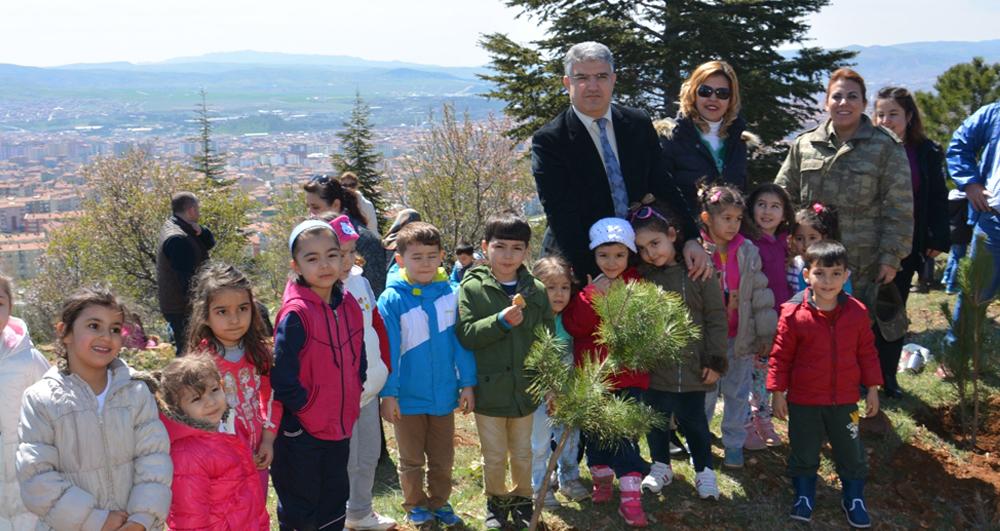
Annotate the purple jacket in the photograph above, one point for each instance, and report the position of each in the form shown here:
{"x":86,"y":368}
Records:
{"x":774,"y":258}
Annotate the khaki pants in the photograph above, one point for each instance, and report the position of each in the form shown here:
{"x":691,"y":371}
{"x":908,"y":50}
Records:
{"x":425,"y":439}
{"x":500,"y":438}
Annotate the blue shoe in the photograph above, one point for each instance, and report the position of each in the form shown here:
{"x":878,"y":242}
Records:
{"x":734,"y":458}
{"x":805,"y":498}
{"x":446,"y":515}
{"x":419,"y":515}
{"x":854,"y":503}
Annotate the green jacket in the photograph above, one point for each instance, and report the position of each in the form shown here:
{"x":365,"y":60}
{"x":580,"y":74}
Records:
{"x":868,"y":180}
{"x":708,"y":311}
{"x":500,"y":351}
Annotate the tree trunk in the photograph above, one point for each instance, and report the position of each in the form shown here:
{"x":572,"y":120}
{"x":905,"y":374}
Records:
{"x":536,"y":513}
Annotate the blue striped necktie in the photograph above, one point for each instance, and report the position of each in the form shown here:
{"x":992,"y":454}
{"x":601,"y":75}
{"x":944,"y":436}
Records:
{"x":615,"y":178}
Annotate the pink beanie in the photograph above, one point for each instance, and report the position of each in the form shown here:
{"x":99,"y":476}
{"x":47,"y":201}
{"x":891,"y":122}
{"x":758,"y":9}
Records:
{"x":344,"y":229}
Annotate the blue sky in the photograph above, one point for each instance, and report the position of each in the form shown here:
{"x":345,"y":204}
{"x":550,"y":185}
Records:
{"x":444,"y":32}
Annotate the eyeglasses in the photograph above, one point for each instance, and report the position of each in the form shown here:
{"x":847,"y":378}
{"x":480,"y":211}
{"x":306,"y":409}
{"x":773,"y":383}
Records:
{"x":722,"y":93}
{"x":583,"y":79}
{"x":646,"y":213}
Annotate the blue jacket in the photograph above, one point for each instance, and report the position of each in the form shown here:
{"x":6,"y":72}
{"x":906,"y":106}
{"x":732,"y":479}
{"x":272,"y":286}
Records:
{"x":981,"y":131}
{"x":429,"y":366}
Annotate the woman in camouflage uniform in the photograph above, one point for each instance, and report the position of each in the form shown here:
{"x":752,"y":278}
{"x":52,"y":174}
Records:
{"x":861,"y":169}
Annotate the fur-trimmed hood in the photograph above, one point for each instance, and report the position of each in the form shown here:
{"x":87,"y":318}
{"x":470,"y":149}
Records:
{"x":665,"y":128}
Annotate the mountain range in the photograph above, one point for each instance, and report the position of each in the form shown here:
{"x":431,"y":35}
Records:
{"x":317,"y":90}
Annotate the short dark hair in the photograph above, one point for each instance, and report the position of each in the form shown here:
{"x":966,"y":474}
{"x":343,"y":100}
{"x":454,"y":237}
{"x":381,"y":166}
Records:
{"x":826,"y":253}
{"x":417,"y":232}
{"x":464,"y":248}
{"x":182,"y":201}
{"x":507,"y":227}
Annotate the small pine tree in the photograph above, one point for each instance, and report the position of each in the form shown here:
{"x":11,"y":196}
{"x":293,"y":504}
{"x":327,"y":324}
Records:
{"x":358,"y":155}
{"x":642,"y":326}
{"x":207,"y":161}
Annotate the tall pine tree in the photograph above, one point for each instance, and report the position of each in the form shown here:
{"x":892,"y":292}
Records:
{"x":358,"y":155}
{"x":656,"y":44}
{"x":207,"y":161}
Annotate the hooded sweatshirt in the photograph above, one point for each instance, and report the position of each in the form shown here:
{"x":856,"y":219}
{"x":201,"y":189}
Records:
{"x":429,"y":365}
{"x":20,"y":366}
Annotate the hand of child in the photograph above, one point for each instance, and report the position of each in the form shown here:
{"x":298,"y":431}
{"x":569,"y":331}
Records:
{"x":601,"y":283}
{"x":467,"y":401}
{"x":709,"y":376}
{"x":265,"y":454}
{"x":512,"y":315}
{"x":779,"y":406}
{"x":132,"y":526}
{"x":114,"y":521}
{"x":697,"y":260}
{"x":390,"y":409}
{"x":550,"y":403}
{"x":871,"y":402}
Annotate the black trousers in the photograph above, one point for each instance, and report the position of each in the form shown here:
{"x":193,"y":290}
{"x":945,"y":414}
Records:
{"x":807,"y":426}
{"x":689,"y":410}
{"x":310,"y":479}
{"x":178,"y":327}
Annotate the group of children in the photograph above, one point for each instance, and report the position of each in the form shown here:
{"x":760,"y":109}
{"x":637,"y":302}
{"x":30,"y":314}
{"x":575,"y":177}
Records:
{"x":97,"y":451}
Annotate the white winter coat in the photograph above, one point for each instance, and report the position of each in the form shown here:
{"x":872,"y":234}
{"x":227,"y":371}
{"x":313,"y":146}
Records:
{"x":377,"y":372}
{"x":75,"y":465}
{"x":20,"y":366}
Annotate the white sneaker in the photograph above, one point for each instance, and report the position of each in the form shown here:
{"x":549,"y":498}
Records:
{"x":372,"y":522}
{"x":660,"y":475}
{"x":706,"y":485}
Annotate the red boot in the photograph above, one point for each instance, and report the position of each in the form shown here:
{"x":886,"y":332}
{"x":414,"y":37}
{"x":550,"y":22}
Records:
{"x":604,"y":479}
{"x":630,"y":508}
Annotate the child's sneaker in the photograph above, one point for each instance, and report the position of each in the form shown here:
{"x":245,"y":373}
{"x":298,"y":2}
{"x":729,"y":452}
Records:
{"x":630,"y":507}
{"x":765,"y":427}
{"x":706,"y":484}
{"x":372,"y":522}
{"x":574,"y":490}
{"x":604,"y":479}
{"x":446,"y":515}
{"x":496,"y":513}
{"x":753,"y":441}
{"x":419,"y":516}
{"x":734,"y":458}
{"x":660,"y":475}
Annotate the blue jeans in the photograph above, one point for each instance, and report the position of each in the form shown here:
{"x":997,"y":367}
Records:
{"x":543,"y":433}
{"x":735,"y":389}
{"x":956,"y":253}
{"x":988,"y":226}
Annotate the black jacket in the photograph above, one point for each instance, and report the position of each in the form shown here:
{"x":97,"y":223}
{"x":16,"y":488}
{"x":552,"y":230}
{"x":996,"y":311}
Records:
{"x":930,"y":213}
{"x":573,"y":185}
{"x":687,"y":158}
{"x":179,"y":254}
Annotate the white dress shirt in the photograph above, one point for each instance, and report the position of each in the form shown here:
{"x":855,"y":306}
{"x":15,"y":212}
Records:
{"x":595,"y":132}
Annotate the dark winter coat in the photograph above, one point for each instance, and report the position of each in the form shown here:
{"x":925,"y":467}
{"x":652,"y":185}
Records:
{"x":930,"y":212}
{"x":179,"y":253}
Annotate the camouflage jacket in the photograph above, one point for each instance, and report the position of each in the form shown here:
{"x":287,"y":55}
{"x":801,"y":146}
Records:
{"x":867,"y":179}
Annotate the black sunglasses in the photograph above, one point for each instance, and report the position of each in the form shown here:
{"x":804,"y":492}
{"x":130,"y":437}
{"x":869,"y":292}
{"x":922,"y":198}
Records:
{"x":722,"y":93}
{"x":321,"y":179}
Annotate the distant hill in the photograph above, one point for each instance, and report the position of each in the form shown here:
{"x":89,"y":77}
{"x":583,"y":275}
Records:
{"x":916,"y":65}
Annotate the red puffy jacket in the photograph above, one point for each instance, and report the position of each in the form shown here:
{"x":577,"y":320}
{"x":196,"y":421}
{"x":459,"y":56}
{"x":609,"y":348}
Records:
{"x":216,"y":485}
{"x":581,"y":322}
{"x":821,"y":358}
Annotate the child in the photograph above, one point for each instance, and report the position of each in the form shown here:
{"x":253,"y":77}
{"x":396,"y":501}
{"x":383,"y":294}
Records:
{"x":611,"y":239}
{"x":768,"y":230}
{"x":464,"y":258}
{"x":815,"y":223}
{"x":499,"y":306}
{"x":749,"y":309}
{"x":319,"y":365}
{"x":20,"y":366}
{"x":678,"y":389}
{"x":555,"y":275}
{"x":824,"y":350}
{"x":431,"y":375}
{"x":366,"y":438}
{"x":226,"y":323}
{"x":216,"y":482}
{"x":93,"y":452}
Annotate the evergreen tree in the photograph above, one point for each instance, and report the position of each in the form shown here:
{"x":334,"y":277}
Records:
{"x":657,"y":43}
{"x":960,"y":91}
{"x":358,"y":155}
{"x":207,"y":161}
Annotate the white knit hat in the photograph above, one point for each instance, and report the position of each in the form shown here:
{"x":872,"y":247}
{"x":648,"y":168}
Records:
{"x":612,"y":230}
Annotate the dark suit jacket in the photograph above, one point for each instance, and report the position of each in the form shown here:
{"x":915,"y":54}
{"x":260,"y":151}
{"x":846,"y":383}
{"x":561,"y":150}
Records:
{"x":573,"y":185}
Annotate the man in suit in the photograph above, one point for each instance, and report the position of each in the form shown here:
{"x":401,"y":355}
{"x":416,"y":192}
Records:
{"x":595,"y":158}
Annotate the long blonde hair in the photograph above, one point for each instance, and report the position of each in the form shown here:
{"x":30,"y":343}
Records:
{"x":689,"y":93}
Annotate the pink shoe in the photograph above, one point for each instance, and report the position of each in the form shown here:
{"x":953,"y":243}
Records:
{"x":604,"y":479}
{"x":753,"y":441}
{"x":630,"y":507}
{"x":765,"y":427}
